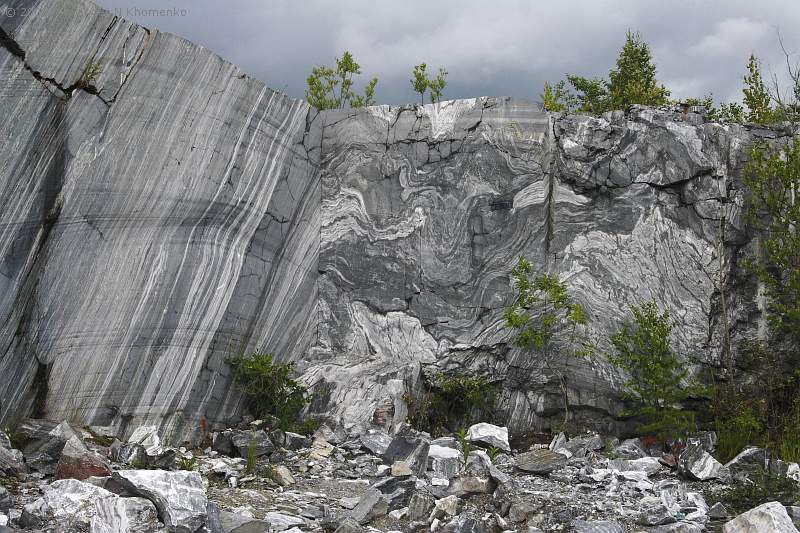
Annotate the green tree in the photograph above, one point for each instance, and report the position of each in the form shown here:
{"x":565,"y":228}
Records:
{"x":773,"y":178}
{"x":643,"y":351}
{"x":633,"y":81}
{"x":437,"y":85}
{"x":542,"y":311}
{"x":324,"y":81}
{"x":269,"y":389}
{"x":421,"y":83}
{"x":756,"y":96}
{"x":554,"y":97}
{"x":592,"y":95}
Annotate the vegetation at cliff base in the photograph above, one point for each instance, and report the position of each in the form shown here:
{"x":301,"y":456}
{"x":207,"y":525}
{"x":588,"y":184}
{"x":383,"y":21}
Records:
{"x":657,"y":380}
{"x":542,"y":314}
{"x":451,"y":401}
{"x":762,"y":407}
{"x":760,"y":487}
{"x":269,"y":390}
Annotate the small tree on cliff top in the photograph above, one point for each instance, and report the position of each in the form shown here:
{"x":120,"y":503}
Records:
{"x":633,"y":81}
{"x":324,"y":81}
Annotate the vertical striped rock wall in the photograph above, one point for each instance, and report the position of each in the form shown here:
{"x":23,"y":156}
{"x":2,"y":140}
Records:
{"x":172,"y":211}
{"x":152,"y":221}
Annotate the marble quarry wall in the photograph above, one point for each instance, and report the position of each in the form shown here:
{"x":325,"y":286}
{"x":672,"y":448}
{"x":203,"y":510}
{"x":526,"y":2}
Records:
{"x":172,"y":211}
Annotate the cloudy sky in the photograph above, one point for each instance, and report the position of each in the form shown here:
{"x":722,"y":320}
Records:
{"x":498,"y":47}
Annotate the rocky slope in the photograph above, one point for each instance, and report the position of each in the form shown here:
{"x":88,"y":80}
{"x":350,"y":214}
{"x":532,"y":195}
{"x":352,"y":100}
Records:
{"x":253,"y":480}
{"x":172,"y":211}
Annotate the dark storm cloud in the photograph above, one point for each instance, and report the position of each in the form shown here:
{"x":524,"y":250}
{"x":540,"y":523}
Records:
{"x":503,"y":47}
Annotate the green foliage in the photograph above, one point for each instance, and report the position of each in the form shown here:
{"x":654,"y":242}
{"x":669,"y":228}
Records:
{"x":656,"y":375}
{"x":269,"y":390}
{"x":756,"y":97}
{"x":306,"y":426}
{"x":555,"y":97}
{"x":187,"y":463}
{"x":450,"y":401}
{"x":736,"y":430}
{"x":773,"y":179}
{"x":592,"y":95}
{"x":762,"y":486}
{"x":466,"y":445}
{"x":493,"y":452}
{"x":633,"y":81}
{"x":731,"y":113}
{"x":250,"y":467}
{"x":90,"y":73}
{"x":324,"y":81}
{"x":542,"y":311}
{"x":421,"y":83}
{"x":764,"y":409}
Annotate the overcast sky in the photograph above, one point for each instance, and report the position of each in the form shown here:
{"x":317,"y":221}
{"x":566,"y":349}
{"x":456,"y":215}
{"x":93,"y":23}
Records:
{"x":490,"y":47}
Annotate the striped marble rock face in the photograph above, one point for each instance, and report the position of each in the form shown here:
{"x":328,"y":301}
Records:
{"x":148,"y":230}
{"x":173,"y":211}
{"x":426,"y":210}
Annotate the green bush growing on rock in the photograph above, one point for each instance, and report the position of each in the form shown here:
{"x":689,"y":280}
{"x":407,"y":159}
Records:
{"x":760,"y":487}
{"x":269,"y":390}
{"x":90,"y":73}
{"x":451,"y":401}
{"x":772,"y":177}
{"x":756,"y":96}
{"x":543,"y":311}
{"x":633,"y":81}
{"x":762,"y":405}
{"x":187,"y":463}
{"x":323,"y":83}
{"x":554,"y":97}
{"x":642,"y":350}
{"x":421,"y":83}
{"x":252,"y":460}
{"x":466,"y":445}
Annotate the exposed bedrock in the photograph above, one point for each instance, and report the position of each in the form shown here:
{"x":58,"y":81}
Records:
{"x":171,"y":211}
{"x":151,"y":224}
{"x":426,"y":210}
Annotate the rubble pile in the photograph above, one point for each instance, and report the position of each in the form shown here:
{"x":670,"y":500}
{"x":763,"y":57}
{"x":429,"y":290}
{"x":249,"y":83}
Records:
{"x":58,"y":478}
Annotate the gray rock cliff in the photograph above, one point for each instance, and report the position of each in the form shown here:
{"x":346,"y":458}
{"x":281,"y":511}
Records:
{"x":173,"y":211}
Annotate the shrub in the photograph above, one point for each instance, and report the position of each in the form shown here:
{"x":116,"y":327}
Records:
{"x":554,"y":97}
{"x":493,"y":452}
{"x":250,"y":467}
{"x":656,"y":374}
{"x":187,"y":463}
{"x":737,"y":430}
{"x":451,"y":401}
{"x":466,"y":445}
{"x":542,"y":312}
{"x":764,"y":409}
{"x":90,"y":73}
{"x":633,"y":81}
{"x":420,"y":82}
{"x":269,"y":390}
{"x":760,"y":487}
{"x":323,"y":82}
